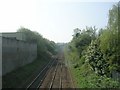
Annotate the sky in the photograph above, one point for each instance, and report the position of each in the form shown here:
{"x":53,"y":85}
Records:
{"x":53,"y":19}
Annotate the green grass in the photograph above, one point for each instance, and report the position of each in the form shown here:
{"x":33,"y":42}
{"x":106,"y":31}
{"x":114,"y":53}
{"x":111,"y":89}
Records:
{"x":84,"y":77}
{"x":20,"y":75}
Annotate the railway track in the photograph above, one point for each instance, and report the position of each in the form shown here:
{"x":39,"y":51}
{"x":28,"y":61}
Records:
{"x":39,"y":78}
{"x":59,"y":77}
{"x":53,"y":78}
{"x":54,"y":75}
{"x":45,"y":75}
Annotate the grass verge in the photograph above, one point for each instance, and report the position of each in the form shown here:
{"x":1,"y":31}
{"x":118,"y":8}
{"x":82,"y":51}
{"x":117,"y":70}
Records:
{"x":84,"y":77}
{"x":17,"y":77}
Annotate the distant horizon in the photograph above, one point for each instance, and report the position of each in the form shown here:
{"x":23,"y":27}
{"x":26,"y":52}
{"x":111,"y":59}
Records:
{"x":55,"y":21}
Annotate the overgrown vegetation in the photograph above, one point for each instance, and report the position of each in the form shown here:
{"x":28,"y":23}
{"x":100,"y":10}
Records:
{"x":45,"y":50}
{"x":94,"y":56}
{"x":43,"y":45}
{"x":19,"y":76}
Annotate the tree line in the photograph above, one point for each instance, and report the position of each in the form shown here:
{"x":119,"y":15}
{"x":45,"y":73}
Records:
{"x":45,"y":47}
{"x":98,"y":49}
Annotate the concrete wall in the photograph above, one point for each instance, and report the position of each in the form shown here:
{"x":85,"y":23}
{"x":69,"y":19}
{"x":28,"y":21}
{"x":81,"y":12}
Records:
{"x":0,"y":63}
{"x":15,"y":35}
{"x":16,"y":53}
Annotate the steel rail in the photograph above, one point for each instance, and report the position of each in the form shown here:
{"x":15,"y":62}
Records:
{"x":53,"y":78}
{"x":24,"y":84}
{"x":45,"y":75}
{"x":60,"y":87}
{"x":37,"y":76}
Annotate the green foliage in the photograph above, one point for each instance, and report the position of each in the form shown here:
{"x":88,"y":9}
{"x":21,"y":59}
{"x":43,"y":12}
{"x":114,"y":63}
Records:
{"x":113,"y":17}
{"x":45,"y":49}
{"x":109,"y":40}
{"x":86,"y":78}
{"x":19,"y":76}
{"x":81,"y":39}
{"x":43,"y":45}
{"x":93,"y":57}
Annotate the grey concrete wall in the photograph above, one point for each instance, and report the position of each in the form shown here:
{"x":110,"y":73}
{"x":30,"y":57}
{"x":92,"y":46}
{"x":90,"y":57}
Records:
{"x":16,"y":53}
{"x":0,"y":63}
{"x":15,"y":35}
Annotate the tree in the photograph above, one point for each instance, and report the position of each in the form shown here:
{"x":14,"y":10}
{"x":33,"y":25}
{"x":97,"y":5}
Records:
{"x":82,"y":38}
{"x":43,"y":45}
{"x":94,"y":57}
{"x":109,"y":40}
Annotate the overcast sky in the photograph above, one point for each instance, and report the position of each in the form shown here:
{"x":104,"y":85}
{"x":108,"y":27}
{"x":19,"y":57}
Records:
{"x":54,"y":20}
